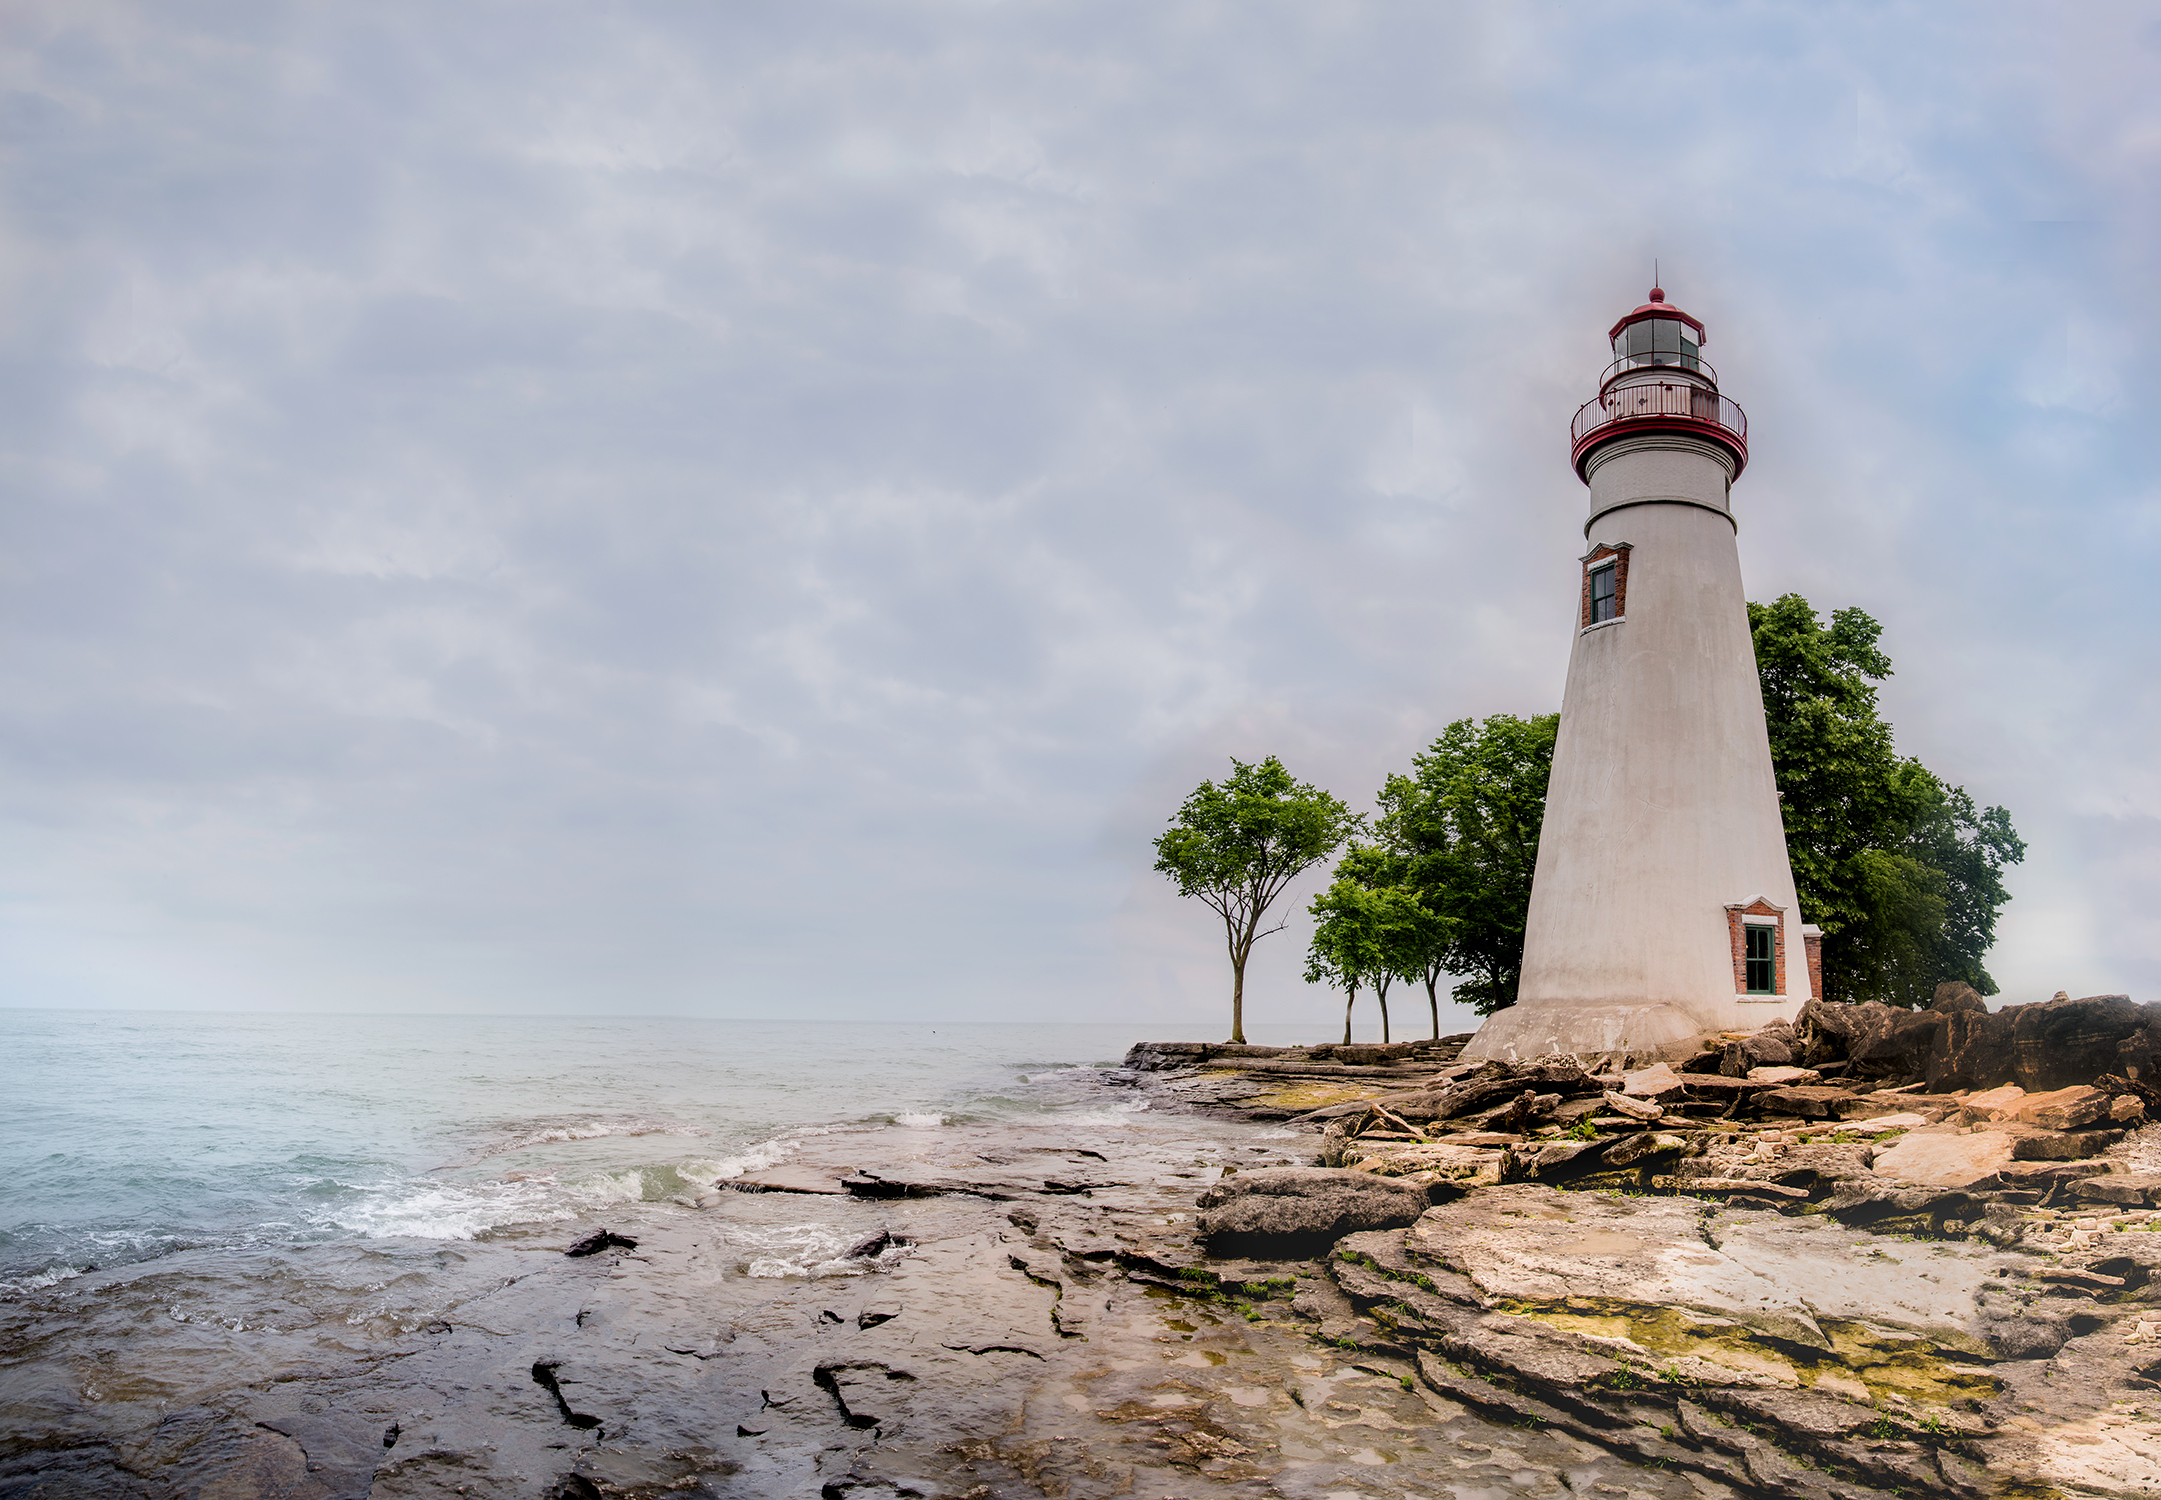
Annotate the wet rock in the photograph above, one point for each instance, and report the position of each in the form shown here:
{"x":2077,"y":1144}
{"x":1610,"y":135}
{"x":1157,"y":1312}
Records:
{"x":786,"y":1179}
{"x":1298,"y":1205}
{"x":599,"y":1240}
{"x":1163,"y":1056}
{"x":871,"y":1246}
{"x":340,"y":1450}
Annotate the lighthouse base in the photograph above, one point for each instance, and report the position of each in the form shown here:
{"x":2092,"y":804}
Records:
{"x":1622,"y":1034}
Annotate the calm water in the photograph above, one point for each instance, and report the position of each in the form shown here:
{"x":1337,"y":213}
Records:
{"x":125,"y":1136}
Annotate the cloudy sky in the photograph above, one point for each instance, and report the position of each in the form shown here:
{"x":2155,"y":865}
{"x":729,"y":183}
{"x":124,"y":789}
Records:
{"x":763,"y":509}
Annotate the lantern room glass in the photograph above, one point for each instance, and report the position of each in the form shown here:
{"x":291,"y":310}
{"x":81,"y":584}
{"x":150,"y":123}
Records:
{"x":1658,"y":341}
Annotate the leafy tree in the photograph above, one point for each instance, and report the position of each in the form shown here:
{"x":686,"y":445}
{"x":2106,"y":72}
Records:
{"x":1363,"y":937}
{"x":1901,"y":871}
{"x":1236,"y":845}
{"x":1342,"y":954}
{"x":1464,"y":825}
{"x":1415,"y":937}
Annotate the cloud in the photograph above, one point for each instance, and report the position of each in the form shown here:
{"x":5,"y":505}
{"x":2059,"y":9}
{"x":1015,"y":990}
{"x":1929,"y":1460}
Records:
{"x":762,"y":511}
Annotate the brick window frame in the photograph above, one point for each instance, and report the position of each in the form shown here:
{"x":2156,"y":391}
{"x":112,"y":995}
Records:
{"x":1812,"y":946}
{"x":1738,"y":921}
{"x":1617,"y":554}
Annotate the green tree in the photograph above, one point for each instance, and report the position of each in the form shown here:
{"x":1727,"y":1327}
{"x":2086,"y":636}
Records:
{"x":1464,"y":825}
{"x":1416,"y":938}
{"x":1342,"y":953}
{"x":1901,"y":871}
{"x":1236,"y":845}
{"x":1362,"y":938}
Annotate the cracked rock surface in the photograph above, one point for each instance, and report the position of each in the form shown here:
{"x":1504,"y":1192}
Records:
{"x":982,"y":1311}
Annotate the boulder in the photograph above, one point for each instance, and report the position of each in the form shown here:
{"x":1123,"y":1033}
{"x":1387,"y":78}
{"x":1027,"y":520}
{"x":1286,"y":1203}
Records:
{"x":2063,"y":1145}
{"x":1634,"y":1109}
{"x":2047,"y":1046}
{"x":1550,"y":1159}
{"x":1884,"y":1124}
{"x":1496,"y":1083}
{"x":2074,"y":1041}
{"x":1955,"y":995}
{"x":1658,"y":1081}
{"x":1879,"y":1040}
{"x":1306,"y":1204}
{"x":2133,"y":1188}
{"x":2138,"y":1055}
{"x":1945,"y":1160}
{"x":1809,"y":1101}
{"x":2063,"y":1109}
{"x":1452,"y":1163}
{"x":1641,"y":1146}
{"x":1973,"y":1051}
{"x":1993,"y":1104}
{"x":1763,"y":1049}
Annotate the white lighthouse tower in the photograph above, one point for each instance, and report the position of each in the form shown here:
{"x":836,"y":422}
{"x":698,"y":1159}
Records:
{"x":1663,"y":904}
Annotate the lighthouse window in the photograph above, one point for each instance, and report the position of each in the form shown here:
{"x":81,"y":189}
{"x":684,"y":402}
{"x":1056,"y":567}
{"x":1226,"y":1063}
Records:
{"x":1761,"y":968}
{"x":1604,"y":593}
{"x":1659,"y":341}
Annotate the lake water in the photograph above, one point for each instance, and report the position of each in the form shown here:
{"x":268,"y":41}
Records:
{"x":127,"y":1136}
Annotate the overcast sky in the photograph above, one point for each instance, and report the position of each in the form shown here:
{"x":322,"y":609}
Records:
{"x":764,"y":509}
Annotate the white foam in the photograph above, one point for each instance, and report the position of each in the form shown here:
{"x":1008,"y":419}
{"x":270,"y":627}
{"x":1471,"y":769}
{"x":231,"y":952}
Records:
{"x":38,"y":1281}
{"x":919,"y":1121}
{"x":589,"y":1130}
{"x":812,"y":1252}
{"x":751,"y":1159}
{"x":613,"y":1187}
{"x":446,"y":1211}
{"x":1110,"y":1114}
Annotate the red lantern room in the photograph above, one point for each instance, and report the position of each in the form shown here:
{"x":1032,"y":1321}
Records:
{"x":1658,"y":382}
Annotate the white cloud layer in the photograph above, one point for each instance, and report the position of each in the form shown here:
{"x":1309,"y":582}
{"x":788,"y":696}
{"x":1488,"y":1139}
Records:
{"x":763,"y":510}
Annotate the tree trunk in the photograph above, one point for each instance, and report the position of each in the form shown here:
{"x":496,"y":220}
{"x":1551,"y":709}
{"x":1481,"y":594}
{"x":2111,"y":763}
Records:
{"x":1350,"y":999}
{"x":1380,"y":993}
{"x":1240,"y":952}
{"x":1434,"y":1003}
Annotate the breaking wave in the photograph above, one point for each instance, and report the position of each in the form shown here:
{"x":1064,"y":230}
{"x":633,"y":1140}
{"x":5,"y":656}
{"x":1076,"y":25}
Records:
{"x":555,"y":1133}
{"x":813,"y":1251}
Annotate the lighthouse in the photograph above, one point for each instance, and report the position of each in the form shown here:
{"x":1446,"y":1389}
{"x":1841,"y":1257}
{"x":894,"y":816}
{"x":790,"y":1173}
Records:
{"x":1663,"y":904}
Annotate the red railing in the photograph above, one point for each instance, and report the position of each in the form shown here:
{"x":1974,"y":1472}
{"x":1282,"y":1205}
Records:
{"x":1675,"y":405}
{"x":1658,"y":359}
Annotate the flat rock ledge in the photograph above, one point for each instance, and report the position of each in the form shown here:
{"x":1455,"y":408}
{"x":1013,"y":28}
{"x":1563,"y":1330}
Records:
{"x":1775,"y":1354}
{"x":1792,"y":1264}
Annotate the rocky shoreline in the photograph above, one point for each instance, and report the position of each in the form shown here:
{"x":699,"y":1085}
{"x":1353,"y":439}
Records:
{"x":1854,"y":1256}
{"x":1313,"y":1273}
